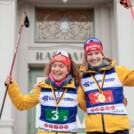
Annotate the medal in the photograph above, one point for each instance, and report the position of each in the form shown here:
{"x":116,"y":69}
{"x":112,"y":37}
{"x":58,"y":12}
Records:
{"x":55,"y":98}
{"x":101,"y":98}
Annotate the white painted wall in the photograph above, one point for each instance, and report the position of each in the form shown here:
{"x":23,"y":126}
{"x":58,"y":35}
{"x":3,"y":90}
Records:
{"x":7,"y":35}
{"x":125,"y":41}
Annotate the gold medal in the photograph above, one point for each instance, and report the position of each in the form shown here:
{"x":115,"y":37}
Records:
{"x":101,"y":98}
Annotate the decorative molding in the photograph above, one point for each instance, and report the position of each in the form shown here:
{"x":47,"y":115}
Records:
{"x":7,"y":2}
{"x":7,"y":124}
{"x":62,"y":46}
{"x":63,"y":25}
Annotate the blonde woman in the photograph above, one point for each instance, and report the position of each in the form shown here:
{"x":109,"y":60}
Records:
{"x":101,"y":95}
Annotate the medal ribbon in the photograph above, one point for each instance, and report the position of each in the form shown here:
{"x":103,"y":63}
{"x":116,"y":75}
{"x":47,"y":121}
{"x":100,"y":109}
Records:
{"x":95,"y":81}
{"x":60,"y":99}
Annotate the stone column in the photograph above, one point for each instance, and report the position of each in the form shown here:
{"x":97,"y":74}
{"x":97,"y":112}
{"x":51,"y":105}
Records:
{"x":7,"y":41}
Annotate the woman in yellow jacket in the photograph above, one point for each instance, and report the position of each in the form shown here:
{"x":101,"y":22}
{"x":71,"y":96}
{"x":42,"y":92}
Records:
{"x":101,"y":95}
{"x":57,"y":96}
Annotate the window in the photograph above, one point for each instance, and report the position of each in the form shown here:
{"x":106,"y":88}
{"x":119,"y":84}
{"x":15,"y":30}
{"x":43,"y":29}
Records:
{"x":63,"y":25}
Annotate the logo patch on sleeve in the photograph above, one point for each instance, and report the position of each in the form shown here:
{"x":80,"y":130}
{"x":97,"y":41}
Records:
{"x":31,"y":92}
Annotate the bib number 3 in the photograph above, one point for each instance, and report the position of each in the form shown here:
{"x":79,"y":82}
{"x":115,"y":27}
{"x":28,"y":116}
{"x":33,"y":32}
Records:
{"x":60,"y":116}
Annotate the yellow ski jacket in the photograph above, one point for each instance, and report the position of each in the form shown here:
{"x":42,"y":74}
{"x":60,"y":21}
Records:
{"x":31,"y":99}
{"x":99,"y":117}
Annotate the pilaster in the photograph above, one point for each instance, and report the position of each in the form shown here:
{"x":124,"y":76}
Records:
{"x":7,"y":35}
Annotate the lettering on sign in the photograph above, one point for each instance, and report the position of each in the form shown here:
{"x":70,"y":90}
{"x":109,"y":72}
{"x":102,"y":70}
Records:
{"x":41,"y":56}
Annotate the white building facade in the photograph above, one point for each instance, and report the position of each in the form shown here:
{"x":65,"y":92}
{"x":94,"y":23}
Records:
{"x":55,"y":24}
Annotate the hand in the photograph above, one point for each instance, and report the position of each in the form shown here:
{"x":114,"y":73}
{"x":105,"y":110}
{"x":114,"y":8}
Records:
{"x":9,"y":80}
{"x":36,"y":85}
{"x":125,"y":101}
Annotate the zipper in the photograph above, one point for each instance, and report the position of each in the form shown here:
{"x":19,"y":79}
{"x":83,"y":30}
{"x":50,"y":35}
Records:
{"x":103,"y":123}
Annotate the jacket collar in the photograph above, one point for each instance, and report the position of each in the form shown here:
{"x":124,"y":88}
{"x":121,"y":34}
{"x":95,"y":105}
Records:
{"x":109,"y":64}
{"x":46,"y":84}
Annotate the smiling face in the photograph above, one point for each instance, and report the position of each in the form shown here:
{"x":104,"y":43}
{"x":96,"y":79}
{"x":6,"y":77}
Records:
{"x":94,"y":58}
{"x":59,"y":71}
